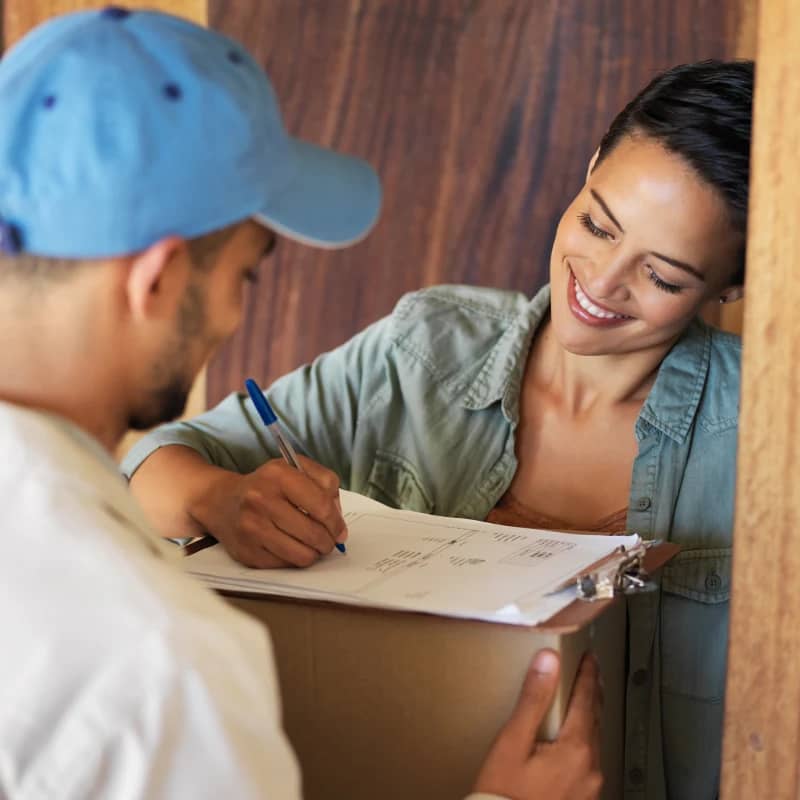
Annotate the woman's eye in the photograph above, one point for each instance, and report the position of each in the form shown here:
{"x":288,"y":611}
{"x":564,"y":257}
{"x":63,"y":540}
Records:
{"x":670,"y":288}
{"x":588,"y":223}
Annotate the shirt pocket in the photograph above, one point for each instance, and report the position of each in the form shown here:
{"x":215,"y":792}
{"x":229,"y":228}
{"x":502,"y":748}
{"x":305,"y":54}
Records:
{"x":394,"y":480}
{"x":694,"y":623}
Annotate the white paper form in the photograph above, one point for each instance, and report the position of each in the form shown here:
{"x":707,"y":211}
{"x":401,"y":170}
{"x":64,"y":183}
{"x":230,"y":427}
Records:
{"x":418,"y":562}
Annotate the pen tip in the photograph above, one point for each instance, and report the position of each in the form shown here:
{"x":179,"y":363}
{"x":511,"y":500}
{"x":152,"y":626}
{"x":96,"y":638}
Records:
{"x":341,"y":548}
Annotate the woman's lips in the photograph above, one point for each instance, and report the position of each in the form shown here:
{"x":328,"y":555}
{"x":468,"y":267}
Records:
{"x":587,"y":310}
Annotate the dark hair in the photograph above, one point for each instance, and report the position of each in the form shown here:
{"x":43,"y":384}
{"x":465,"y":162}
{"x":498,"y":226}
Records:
{"x":703,"y":113}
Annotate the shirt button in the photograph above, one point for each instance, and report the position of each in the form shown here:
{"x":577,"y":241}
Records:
{"x":642,"y":504}
{"x":636,"y":776}
{"x":713,"y":582}
{"x":640,"y":677}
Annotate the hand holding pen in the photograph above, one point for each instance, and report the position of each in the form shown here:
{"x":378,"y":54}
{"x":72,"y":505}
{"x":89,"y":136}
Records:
{"x":270,"y":420}
{"x":257,"y":517}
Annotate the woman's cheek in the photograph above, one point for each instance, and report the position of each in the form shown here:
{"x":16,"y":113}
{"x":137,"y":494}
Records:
{"x":668,"y":311}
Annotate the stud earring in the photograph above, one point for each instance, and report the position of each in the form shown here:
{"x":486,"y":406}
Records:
{"x":723,"y":299}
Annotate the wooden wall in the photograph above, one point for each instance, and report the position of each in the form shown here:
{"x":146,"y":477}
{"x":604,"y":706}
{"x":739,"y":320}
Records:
{"x":480,"y":115}
{"x":761,"y":750}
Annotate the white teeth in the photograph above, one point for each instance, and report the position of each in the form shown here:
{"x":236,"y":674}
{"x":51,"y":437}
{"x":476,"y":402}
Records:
{"x":589,"y":307}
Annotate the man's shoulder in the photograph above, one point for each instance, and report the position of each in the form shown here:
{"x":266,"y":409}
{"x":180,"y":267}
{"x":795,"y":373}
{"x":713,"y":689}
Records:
{"x":125,"y":649}
{"x":83,"y":550}
{"x":84,"y":572}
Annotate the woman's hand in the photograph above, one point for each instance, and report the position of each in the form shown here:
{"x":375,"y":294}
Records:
{"x":276,"y":516}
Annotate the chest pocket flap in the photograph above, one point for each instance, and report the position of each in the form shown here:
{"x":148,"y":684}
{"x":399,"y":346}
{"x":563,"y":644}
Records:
{"x":394,"y":481}
{"x":702,"y":575}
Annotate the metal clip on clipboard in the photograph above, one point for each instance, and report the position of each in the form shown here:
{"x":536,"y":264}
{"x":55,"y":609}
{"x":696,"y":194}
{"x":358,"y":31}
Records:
{"x":621,"y":573}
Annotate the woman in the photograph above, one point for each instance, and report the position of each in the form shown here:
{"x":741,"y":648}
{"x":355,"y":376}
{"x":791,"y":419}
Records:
{"x":602,"y":403}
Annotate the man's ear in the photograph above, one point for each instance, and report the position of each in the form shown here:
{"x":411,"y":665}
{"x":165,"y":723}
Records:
{"x":157,"y":277}
{"x":592,"y":162}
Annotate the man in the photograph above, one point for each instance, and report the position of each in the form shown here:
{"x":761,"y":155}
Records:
{"x":144,"y":171}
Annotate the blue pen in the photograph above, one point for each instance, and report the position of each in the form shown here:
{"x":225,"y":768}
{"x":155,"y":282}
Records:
{"x":270,"y":419}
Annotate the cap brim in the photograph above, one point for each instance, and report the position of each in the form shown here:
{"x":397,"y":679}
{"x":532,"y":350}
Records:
{"x":332,"y":200}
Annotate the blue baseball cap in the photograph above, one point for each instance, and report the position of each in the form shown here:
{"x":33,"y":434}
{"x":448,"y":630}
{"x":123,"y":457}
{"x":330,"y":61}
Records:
{"x":120,"y":127}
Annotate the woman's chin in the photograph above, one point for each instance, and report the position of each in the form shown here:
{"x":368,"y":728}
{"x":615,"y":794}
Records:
{"x":576,"y":338}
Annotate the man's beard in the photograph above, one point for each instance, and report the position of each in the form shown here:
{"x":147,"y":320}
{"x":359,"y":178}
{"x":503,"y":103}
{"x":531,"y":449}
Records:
{"x":164,"y":404}
{"x":172,"y":374}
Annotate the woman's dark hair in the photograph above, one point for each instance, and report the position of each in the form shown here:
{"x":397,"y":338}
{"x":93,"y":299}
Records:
{"x":703,"y":113}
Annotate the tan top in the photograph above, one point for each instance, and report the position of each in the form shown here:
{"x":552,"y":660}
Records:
{"x":510,"y":511}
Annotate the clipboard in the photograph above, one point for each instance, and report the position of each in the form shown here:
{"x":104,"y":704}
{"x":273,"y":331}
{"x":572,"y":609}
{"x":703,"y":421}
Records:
{"x":623,"y":572}
{"x":610,"y":573}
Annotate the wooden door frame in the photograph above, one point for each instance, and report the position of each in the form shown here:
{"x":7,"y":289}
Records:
{"x":762,"y":713}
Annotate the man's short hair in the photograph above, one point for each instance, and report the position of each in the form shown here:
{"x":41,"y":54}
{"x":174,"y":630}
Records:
{"x":28,"y":266}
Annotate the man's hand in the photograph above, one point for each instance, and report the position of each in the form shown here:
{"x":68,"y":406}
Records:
{"x":520,"y":768}
{"x":276,"y":516}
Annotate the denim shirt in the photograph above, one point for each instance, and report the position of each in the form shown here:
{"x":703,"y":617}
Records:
{"x":420,"y":411}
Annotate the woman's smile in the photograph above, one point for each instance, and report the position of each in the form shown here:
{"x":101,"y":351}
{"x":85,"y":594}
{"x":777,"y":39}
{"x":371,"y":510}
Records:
{"x":588,"y":310}
{"x":643,"y":246}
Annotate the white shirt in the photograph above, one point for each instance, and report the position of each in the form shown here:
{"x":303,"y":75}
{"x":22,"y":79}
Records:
{"x":120,"y":677}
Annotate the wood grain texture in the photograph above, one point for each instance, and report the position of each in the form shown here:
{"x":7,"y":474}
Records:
{"x":19,"y":16}
{"x":730,"y":317}
{"x":762,"y":723}
{"x":481,"y":116}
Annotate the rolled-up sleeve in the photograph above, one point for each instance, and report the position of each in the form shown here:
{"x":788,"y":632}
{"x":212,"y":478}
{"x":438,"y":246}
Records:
{"x":318,"y":405}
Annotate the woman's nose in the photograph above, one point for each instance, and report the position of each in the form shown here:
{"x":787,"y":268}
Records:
{"x":607,"y":278}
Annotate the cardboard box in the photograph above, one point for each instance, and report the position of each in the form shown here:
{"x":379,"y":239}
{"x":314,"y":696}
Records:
{"x":384,"y":705}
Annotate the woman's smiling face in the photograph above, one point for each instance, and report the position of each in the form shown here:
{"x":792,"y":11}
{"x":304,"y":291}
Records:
{"x":644,"y":245}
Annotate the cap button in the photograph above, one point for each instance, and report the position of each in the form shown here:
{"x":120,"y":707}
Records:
{"x":10,"y":238}
{"x":173,"y":91}
{"x":115,"y":12}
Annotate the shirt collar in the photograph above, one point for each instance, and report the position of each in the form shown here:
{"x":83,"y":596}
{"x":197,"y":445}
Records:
{"x":98,"y":471}
{"x":672,"y":404}
{"x":501,"y":374}
{"x":117,"y":499}
{"x":670,"y":407}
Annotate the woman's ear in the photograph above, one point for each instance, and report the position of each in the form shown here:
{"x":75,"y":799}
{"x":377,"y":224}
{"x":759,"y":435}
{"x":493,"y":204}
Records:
{"x":731,"y":294}
{"x":157,"y":277}
{"x":592,"y":162}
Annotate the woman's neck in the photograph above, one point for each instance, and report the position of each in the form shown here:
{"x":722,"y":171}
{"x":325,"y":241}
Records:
{"x":581,"y":384}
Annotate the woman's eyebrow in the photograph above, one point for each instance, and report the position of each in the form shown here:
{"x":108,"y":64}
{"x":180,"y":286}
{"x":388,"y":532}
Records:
{"x":605,"y":208}
{"x":674,"y":261}
{"x":681,"y":265}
